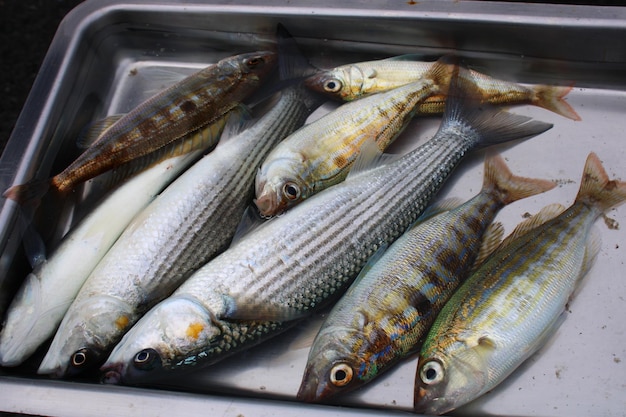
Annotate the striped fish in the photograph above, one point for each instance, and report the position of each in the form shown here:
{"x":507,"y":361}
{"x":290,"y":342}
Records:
{"x":191,"y":221}
{"x":511,"y":305}
{"x":391,"y":306}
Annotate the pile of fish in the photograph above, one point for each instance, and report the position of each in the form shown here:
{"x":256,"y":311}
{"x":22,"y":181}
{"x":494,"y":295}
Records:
{"x":237,"y":223}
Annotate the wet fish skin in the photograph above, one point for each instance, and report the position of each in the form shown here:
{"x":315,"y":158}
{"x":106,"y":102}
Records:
{"x":192,"y":220}
{"x":297,"y":263}
{"x":47,"y":292}
{"x":389,"y":308}
{"x":188,"y":105}
{"x":354,"y":81}
{"x":321,"y":153}
{"x":511,"y":305}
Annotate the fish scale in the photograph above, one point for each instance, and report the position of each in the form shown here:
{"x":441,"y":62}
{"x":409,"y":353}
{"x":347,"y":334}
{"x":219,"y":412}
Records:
{"x":298,"y":262}
{"x":352,"y":225}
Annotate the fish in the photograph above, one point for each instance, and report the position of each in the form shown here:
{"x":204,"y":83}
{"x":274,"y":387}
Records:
{"x":191,"y":221}
{"x":200,"y":99}
{"x":513,"y":303}
{"x":322,"y":152}
{"x":391,"y":305}
{"x":354,"y":81}
{"x":47,"y":292}
{"x":292,"y":265}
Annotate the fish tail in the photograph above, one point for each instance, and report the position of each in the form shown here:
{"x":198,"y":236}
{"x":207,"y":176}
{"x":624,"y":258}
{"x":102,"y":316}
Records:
{"x":511,"y":187}
{"x":29,"y":193}
{"x":487,"y":124}
{"x":441,"y":72}
{"x":292,"y":64}
{"x":596,"y":189}
{"x":551,"y":97}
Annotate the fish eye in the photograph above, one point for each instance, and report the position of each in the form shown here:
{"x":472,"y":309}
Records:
{"x":431,"y":372}
{"x":146,"y":359}
{"x":80,"y":357}
{"x":332,"y":86}
{"x":341,"y":375}
{"x":291,"y":191}
{"x":254,"y":62}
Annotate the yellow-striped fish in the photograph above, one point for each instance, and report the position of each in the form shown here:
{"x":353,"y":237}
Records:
{"x":511,"y":305}
{"x":353,"y":81}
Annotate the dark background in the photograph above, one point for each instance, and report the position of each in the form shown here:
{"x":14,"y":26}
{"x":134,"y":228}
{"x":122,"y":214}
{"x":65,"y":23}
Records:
{"x":26,"y":31}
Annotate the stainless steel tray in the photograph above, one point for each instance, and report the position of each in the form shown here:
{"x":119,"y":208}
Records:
{"x":105,"y":58}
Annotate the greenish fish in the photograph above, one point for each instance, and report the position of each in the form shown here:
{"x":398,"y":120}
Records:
{"x":511,"y":305}
{"x":297,"y":263}
{"x":353,"y":81}
{"x":391,"y":306}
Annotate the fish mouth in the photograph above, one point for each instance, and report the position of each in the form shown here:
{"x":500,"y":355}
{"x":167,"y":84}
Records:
{"x":266,"y":204}
{"x":308,"y":389}
{"x":112,"y":375}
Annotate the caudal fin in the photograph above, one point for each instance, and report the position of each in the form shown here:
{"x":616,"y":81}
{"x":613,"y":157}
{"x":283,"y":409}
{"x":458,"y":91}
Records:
{"x":510,"y":187}
{"x":29,"y":193}
{"x":551,"y":97}
{"x":485,"y":124}
{"x":596,"y":188}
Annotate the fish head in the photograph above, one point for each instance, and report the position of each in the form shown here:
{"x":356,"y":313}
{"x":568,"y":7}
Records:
{"x":333,"y":366}
{"x":259,"y":64}
{"x":169,"y":332}
{"x":446,"y":380}
{"x":279,"y":184}
{"x":88,"y":331}
{"x":341,"y":83}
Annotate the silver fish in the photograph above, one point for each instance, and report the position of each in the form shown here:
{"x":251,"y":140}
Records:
{"x":511,"y":305}
{"x":391,"y":305}
{"x":192,"y":220}
{"x":301,"y":261}
{"x":48,"y":291}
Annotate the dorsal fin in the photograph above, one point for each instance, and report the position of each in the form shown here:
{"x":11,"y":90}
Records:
{"x":545,"y":214}
{"x":492,"y":239}
{"x":89,"y":135}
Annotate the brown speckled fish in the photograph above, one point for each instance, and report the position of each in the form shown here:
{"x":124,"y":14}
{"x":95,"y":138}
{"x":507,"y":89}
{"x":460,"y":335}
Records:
{"x":390,"y":307}
{"x":353,"y":81}
{"x":185,"y":107}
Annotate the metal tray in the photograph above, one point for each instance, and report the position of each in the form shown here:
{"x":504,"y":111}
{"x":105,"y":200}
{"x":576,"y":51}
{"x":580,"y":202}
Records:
{"x":105,"y":58}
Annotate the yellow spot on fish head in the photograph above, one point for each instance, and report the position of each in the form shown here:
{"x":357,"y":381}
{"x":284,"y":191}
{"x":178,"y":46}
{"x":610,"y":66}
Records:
{"x":194,"y":329}
{"x":121,"y":322}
